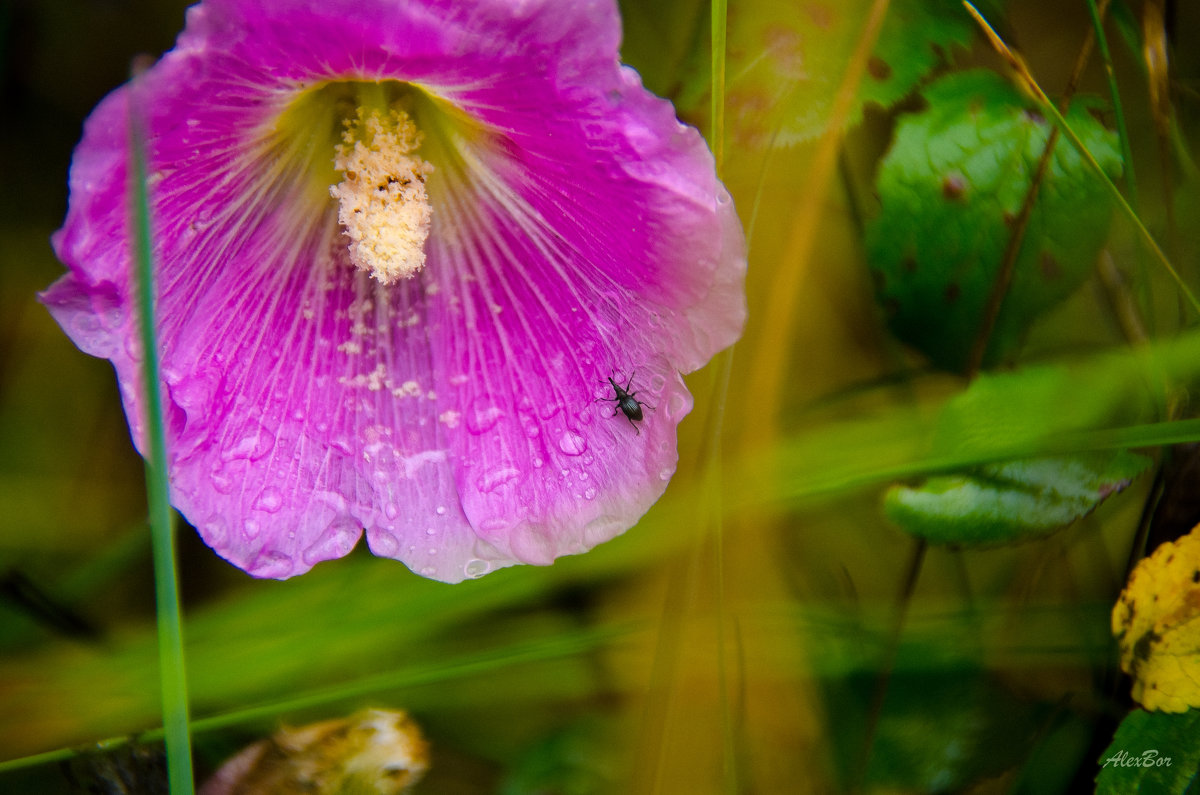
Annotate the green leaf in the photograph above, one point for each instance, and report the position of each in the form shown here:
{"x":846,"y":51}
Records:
{"x":579,"y":759}
{"x":914,"y":38}
{"x":1012,"y":501}
{"x":1152,"y":752}
{"x":787,"y":61}
{"x":938,"y":730}
{"x":952,"y":186}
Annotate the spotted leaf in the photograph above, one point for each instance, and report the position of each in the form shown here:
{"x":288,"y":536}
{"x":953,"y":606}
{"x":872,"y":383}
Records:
{"x":951,"y":189}
{"x":1157,"y":626}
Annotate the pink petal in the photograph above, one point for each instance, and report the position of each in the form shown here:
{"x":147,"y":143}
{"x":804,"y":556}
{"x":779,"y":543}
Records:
{"x":463,"y":418}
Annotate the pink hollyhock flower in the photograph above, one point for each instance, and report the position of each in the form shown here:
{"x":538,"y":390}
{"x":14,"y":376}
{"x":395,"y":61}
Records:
{"x":401,"y":246}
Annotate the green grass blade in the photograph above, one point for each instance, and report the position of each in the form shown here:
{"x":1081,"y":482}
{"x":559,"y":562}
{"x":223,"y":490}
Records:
{"x":717,"y":131}
{"x":1118,"y":111}
{"x":172,"y":674}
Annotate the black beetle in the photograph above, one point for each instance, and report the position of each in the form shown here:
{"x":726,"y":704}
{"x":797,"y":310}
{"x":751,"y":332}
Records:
{"x":627,"y":402}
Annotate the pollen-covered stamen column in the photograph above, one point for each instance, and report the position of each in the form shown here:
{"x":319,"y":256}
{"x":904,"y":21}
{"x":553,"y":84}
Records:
{"x":382,"y":202}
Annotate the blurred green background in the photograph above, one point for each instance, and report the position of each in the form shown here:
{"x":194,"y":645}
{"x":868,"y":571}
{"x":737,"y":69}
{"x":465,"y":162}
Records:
{"x":765,"y":628}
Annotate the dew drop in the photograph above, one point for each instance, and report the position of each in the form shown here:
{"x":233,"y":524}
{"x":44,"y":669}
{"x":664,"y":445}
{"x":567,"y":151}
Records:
{"x":390,"y":510}
{"x":251,"y":527}
{"x":476,"y":568}
{"x":572,"y":443}
{"x":335,"y":542}
{"x":273,"y":566}
{"x":676,"y":408}
{"x":214,"y":533}
{"x":589,"y":494}
{"x":495,"y":524}
{"x":430,"y":531}
{"x":482,"y":416}
{"x":384,"y":544}
{"x":428,"y":571}
{"x":493,"y":480}
{"x":222,"y":481}
{"x":433,"y":550}
{"x":666,"y":474}
{"x":440,"y":510}
{"x":537,"y":463}
{"x":257,"y":442}
{"x":270,"y":500}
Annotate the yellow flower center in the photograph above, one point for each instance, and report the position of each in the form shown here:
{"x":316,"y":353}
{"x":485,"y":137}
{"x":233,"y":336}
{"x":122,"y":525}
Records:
{"x":383,"y":206}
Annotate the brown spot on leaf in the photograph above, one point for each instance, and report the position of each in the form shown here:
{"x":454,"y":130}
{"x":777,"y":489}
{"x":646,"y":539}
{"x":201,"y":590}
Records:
{"x":1051,"y":270}
{"x":1010,"y":220}
{"x":954,"y":186}
{"x":1102,"y":115}
{"x":879,"y":68}
{"x":1145,"y":644}
{"x":820,"y":14}
{"x":909,"y":265}
{"x":953,"y":291}
{"x":1196,"y":576}
{"x":786,"y":47}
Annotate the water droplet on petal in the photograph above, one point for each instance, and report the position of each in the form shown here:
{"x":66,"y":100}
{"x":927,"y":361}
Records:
{"x":270,"y":500}
{"x":495,"y":524}
{"x":428,"y":571}
{"x":255,"y":444}
{"x":433,"y":550}
{"x":482,"y":415}
{"x":589,"y":494}
{"x":214,"y":533}
{"x":273,"y":565}
{"x":390,"y":510}
{"x":572,"y":443}
{"x":676,"y":408}
{"x":251,"y":527}
{"x":335,"y":542}
{"x":476,"y":568}
{"x":430,"y":531}
{"x":666,"y":473}
{"x":222,"y":481}
{"x":384,"y":544}
{"x":440,"y":510}
{"x":493,"y":480}
{"x":537,"y":463}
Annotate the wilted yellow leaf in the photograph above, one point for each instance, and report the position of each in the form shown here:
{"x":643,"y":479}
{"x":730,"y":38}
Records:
{"x":1157,"y":625}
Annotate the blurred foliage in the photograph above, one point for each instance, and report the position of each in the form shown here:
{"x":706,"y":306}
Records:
{"x":765,"y":628}
{"x":938,"y":730}
{"x":952,"y":188}
{"x":1152,"y":752}
{"x":1013,"y":501}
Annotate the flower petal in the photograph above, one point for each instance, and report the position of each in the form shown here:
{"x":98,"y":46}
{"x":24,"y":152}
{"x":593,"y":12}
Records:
{"x":464,"y":417}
